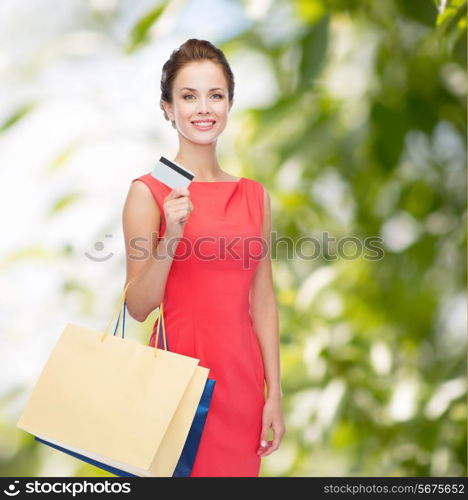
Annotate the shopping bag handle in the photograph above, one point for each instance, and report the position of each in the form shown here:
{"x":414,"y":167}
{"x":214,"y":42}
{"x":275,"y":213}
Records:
{"x":158,"y":321}
{"x":121,"y":305}
{"x":117,"y":309}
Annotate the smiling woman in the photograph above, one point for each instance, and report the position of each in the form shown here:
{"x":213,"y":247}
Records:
{"x":204,"y":108}
{"x":191,"y":52}
{"x":219,"y":304}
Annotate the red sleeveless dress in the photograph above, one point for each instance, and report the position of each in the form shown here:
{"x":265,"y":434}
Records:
{"x":206,"y":316}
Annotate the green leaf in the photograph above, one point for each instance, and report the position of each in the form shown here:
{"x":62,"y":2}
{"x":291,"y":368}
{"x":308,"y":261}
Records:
{"x":139,"y":32}
{"x":64,"y":202}
{"x":16,"y":116}
{"x":448,"y":17}
{"x":314,"y":49}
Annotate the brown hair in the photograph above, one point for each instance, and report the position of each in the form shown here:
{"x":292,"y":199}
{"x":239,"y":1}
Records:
{"x":191,"y":51}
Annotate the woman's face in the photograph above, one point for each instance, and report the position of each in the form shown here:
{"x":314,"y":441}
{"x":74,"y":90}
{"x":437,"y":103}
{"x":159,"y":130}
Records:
{"x":200,"y":94}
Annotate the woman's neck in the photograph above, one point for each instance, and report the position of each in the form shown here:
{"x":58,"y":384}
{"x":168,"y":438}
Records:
{"x":203,"y":171}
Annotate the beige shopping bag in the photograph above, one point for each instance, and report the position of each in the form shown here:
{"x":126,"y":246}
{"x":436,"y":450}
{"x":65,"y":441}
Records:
{"x":116,"y":401}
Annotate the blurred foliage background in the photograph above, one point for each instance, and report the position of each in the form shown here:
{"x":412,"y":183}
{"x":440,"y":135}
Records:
{"x":354,"y":119}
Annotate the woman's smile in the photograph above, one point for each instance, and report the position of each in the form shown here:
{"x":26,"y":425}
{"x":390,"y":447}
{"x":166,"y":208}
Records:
{"x":203,"y":125}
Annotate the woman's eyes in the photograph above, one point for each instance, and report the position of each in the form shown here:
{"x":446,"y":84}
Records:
{"x":191,"y":95}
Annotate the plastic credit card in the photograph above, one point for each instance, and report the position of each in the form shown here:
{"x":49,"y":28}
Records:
{"x":172,"y":174}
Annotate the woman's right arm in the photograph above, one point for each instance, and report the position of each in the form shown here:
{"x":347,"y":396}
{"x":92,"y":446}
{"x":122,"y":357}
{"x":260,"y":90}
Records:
{"x":148,"y":262}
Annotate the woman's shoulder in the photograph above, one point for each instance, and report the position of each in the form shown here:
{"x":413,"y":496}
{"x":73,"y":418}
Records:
{"x":253,"y":182}
{"x":151,"y":182}
{"x":257,"y":186}
{"x":258,"y":192}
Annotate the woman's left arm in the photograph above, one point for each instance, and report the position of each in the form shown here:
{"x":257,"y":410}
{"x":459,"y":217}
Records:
{"x":264,"y":312}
